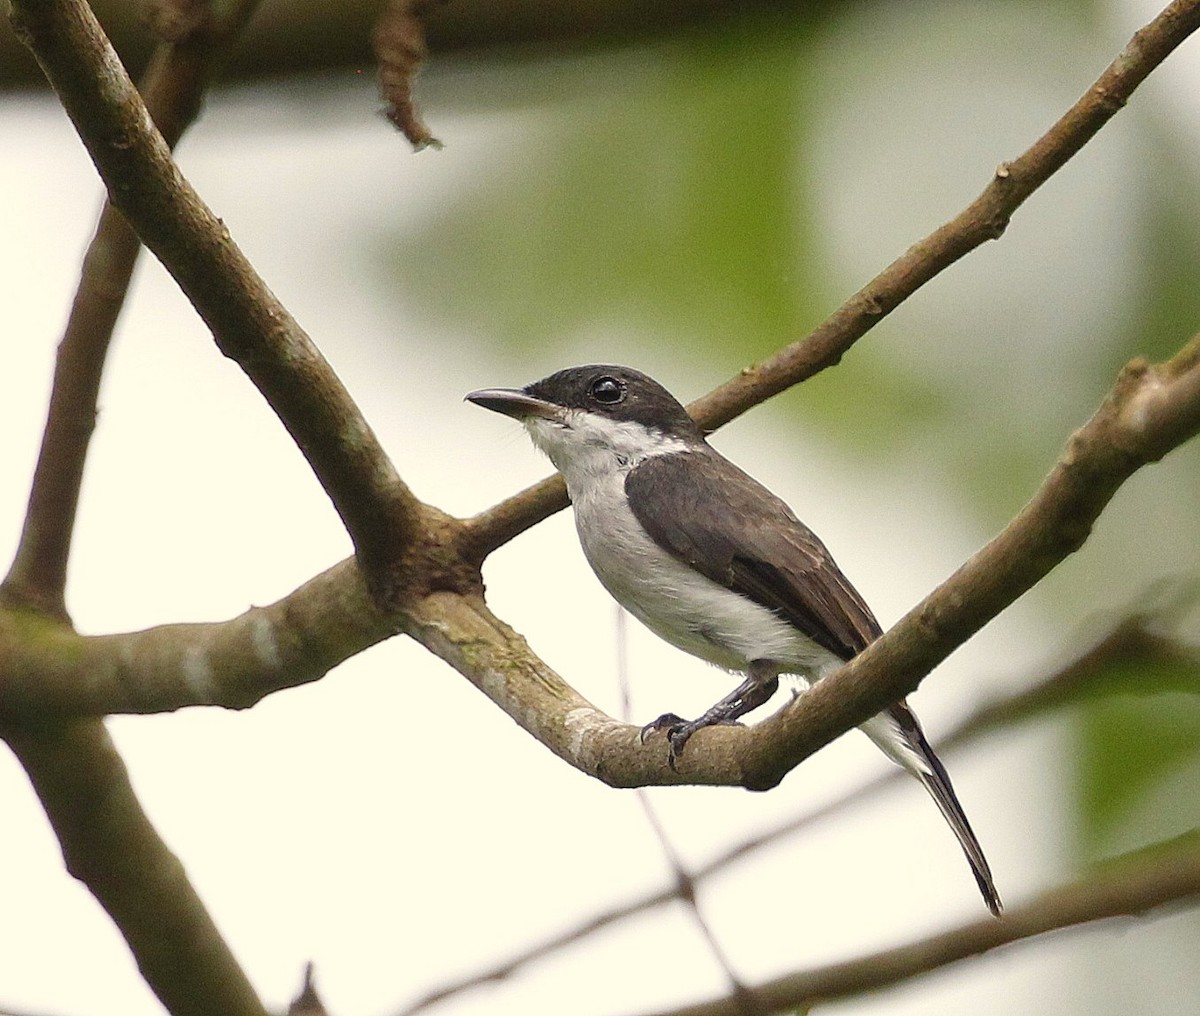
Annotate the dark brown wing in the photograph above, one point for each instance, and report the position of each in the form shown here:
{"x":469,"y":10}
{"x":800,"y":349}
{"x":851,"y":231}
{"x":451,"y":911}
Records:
{"x":729,"y":527}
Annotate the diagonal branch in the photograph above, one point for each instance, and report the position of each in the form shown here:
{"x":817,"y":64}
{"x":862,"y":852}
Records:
{"x":1150,"y":410}
{"x":1132,"y":642}
{"x":984,"y":219}
{"x":175,"y":80}
{"x":107,"y":841}
{"x":109,"y":844}
{"x":80,"y":778}
{"x":1145,"y":883}
{"x":248,"y":322}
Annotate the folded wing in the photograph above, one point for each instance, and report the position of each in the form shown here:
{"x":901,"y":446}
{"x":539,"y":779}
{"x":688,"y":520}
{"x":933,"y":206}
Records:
{"x":714,"y":519}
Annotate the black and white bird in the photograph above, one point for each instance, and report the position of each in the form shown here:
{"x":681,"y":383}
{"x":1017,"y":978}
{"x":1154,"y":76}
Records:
{"x":709,"y":559}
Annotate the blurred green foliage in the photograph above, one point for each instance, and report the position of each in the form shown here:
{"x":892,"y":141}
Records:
{"x":665,"y":202}
{"x":1132,"y":751}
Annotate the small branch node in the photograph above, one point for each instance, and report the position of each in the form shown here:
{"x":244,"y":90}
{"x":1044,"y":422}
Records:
{"x":1108,"y":99}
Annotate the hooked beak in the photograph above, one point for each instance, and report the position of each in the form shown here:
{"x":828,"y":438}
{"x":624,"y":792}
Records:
{"x":515,"y":403}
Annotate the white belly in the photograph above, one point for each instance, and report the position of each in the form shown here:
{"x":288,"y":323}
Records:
{"x":677,"y":603}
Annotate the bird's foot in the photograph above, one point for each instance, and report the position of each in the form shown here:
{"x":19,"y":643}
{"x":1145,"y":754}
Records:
{"x":679,"y":731}
{"x":667,"y":722}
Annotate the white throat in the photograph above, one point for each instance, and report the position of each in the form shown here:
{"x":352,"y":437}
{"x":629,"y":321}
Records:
{"x":588,"y":448}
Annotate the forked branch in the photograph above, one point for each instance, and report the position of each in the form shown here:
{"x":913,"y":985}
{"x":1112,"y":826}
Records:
{"x":247,"y":321}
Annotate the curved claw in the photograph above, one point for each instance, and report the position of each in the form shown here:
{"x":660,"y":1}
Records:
{"x":667,"y":722}
{"x":679,"y":731}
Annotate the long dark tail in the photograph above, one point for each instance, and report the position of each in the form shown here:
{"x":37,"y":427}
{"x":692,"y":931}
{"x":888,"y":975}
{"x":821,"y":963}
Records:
{"x":928,"y":768}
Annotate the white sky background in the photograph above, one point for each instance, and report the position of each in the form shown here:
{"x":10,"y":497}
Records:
{"x":388,"y":822}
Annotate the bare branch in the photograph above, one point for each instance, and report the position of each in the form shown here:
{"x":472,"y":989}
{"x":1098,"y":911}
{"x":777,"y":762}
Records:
{"x":106,"y":839}
{"x":1150,"y":410}
{"x":1137,"y":885}
{"x":50,"y":670}
{"x":982,"y":220}
{"x":1133,"y":641}
{"x":110,"y":846}
{"x":505,"y":521}
{"x":249,"y":324}
{"x":175,"y":80}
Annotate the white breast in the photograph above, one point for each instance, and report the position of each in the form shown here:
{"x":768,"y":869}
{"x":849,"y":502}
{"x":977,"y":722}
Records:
{"x":674,"y":601}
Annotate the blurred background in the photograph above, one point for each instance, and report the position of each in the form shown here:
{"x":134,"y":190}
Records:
{"x":685,"y":196}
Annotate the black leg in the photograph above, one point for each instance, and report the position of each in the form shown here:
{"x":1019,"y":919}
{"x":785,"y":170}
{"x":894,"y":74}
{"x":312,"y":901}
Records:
{"x":756,"y":689}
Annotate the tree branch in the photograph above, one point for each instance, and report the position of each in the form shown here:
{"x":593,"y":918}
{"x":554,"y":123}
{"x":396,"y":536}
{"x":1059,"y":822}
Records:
{"x":1132,"y":642}
{"x":50,"y":671}
{"x":275,"y":350}
{"x":248,"y":323}
{"x":107,"y":841}
{"x":110,"y":846}
{"x":1150,"y":410}
{"x":1132,"y":886}
{"x":175,"y":81}
{"x":984,"y":219}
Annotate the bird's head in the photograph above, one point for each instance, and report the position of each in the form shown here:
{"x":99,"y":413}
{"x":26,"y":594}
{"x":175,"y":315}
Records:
{"x":600,"y":415}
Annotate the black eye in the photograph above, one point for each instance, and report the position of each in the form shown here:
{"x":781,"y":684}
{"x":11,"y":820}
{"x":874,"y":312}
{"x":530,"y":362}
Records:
{"x":608,"y":391}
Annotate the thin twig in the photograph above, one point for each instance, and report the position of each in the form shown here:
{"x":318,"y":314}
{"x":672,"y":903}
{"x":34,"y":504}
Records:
{"x":1138,"y":885}
{"x":683,"y":880}
{"x":307,"y":1002}
{"x":982,"y":220}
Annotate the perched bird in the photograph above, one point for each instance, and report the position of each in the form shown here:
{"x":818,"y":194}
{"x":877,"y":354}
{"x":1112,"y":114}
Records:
{"x":709,"y":559}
